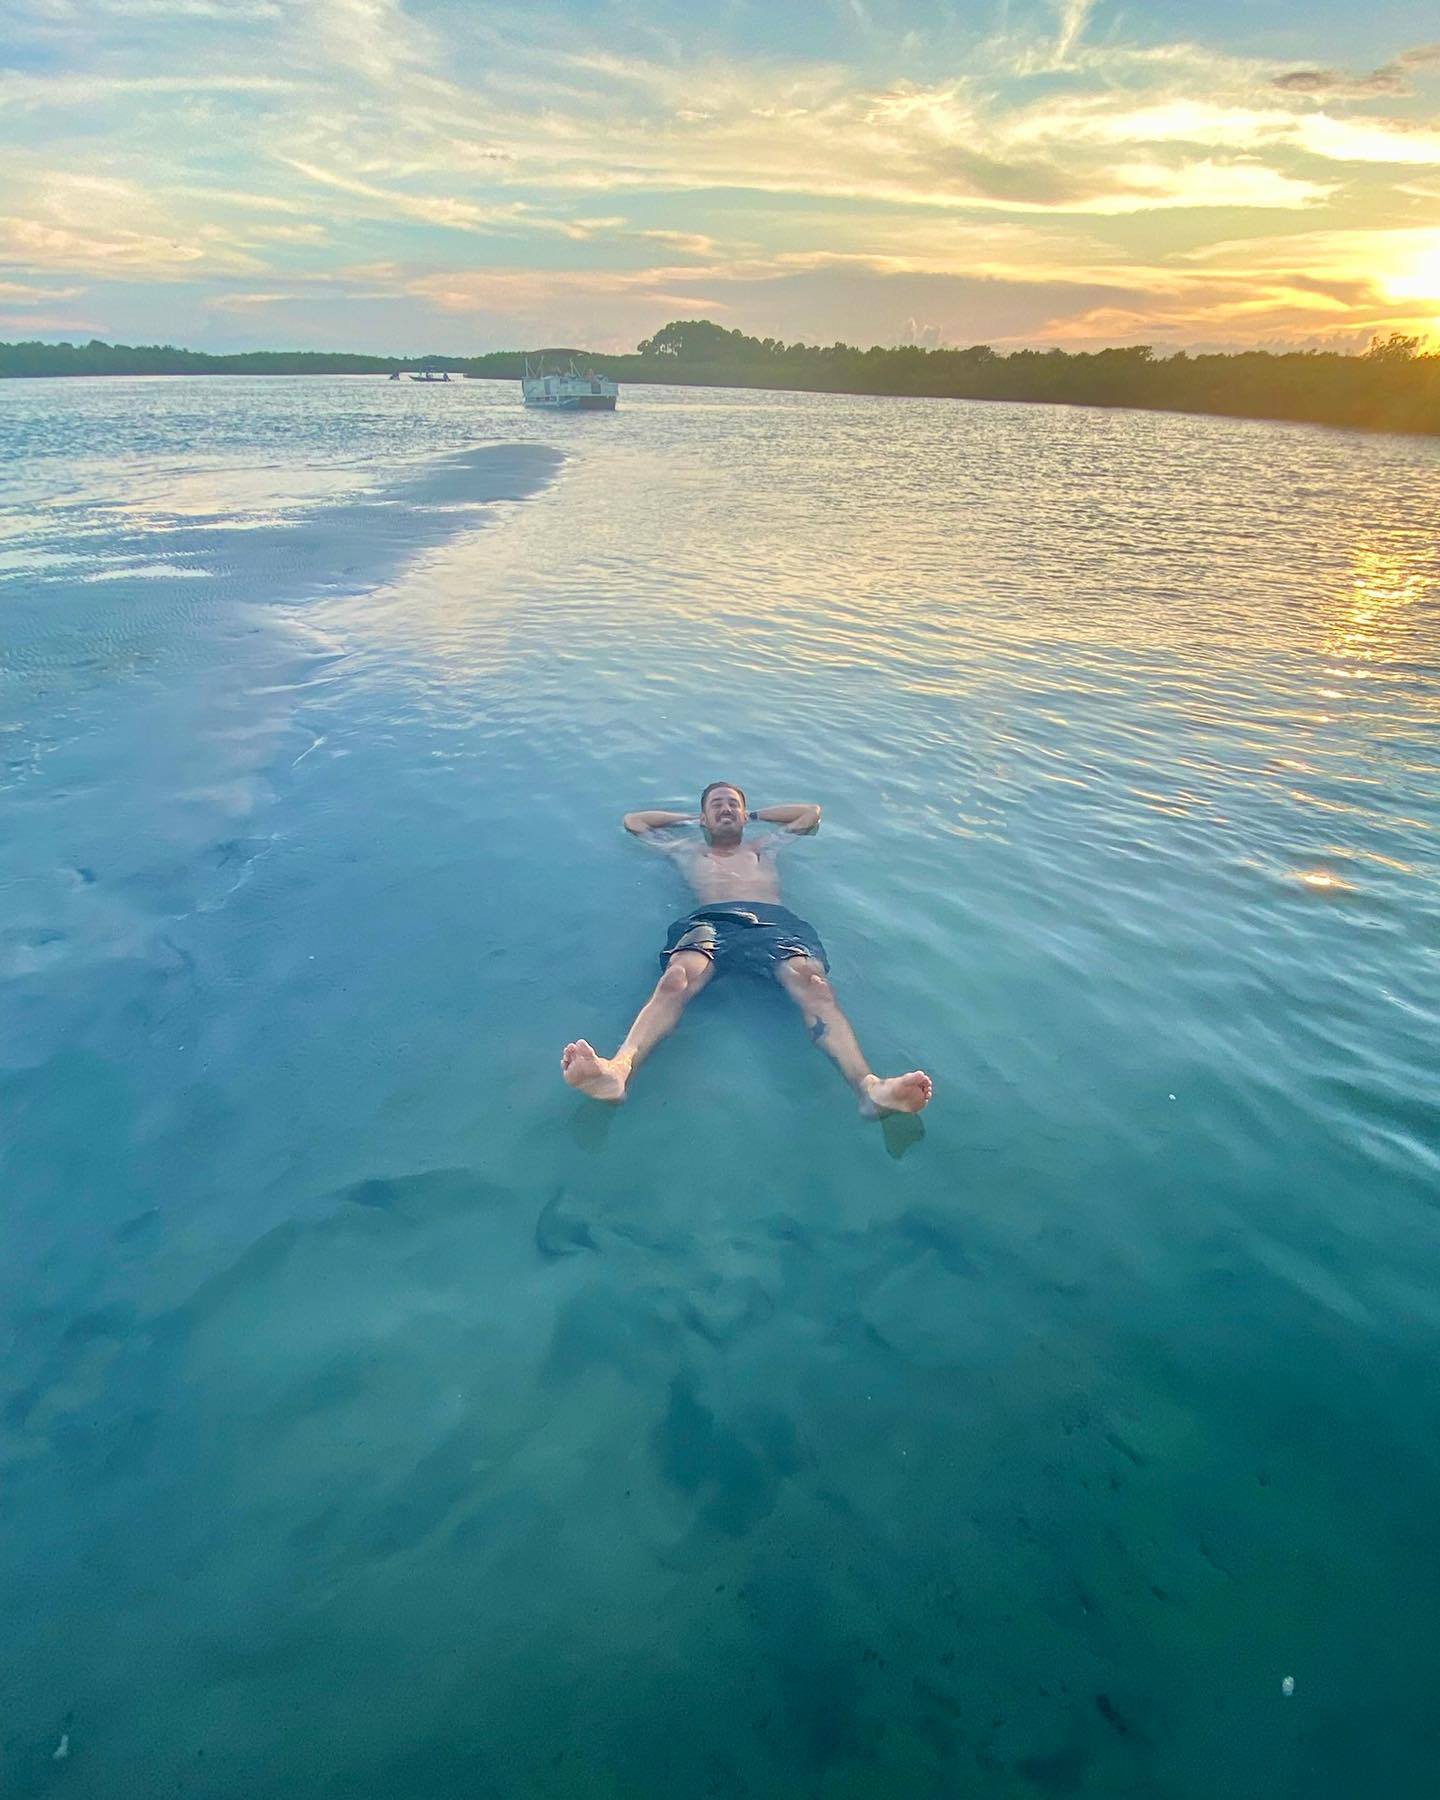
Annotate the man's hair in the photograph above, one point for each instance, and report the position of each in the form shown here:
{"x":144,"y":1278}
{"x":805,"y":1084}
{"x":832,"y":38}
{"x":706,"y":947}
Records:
{"x":744,"y":803}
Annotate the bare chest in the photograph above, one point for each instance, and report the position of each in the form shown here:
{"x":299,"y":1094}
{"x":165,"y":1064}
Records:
{"x":741,"y":874}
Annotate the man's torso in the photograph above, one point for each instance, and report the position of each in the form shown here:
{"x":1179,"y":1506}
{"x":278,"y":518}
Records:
{"x":745,"y":873}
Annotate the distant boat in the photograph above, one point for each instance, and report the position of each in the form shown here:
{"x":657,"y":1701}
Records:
{"x":572,"y":390}
{"x":430,"y":375}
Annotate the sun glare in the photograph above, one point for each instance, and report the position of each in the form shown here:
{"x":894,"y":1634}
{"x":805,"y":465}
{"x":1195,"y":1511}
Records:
{"x":1419,"y":281}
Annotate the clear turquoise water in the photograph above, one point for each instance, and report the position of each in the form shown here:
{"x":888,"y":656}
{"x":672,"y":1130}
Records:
{"x":378,"y":1419}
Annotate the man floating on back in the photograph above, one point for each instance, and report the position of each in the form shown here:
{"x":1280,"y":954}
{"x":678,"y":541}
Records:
{"x":739,"y":925}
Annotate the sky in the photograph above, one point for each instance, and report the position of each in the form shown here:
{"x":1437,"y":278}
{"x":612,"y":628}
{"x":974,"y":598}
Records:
{"x":406,"y":176}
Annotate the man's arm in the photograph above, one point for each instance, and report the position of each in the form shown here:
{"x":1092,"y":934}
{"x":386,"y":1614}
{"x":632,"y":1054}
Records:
{"x":638,"y":823}
{"x":798,"y":820}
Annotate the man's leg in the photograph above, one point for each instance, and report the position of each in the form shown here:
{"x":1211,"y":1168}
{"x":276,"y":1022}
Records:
{"x":607,"y":1077}
{"x":803,"y":979}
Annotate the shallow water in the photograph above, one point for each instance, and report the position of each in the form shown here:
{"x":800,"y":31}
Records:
{"x":380,"y":1419}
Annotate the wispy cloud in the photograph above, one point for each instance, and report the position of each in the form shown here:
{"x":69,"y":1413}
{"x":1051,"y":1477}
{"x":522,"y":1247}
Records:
{"x":107,"y":226}
{"x":13,"y":291}
{"x":247,"y":302}
{"x":226,"y":12}
{"x":21,"y":324}
{"x":1073,"y":17}
{"x":1110,"y":121}
{"x":101,"y":251}
{"x":432,"y":209}
{"x":65,"y":92}
{"x":806,"y":133}
{"x":371,"y":38}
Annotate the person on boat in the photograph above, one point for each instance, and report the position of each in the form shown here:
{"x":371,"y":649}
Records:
{"x":739,"y":926}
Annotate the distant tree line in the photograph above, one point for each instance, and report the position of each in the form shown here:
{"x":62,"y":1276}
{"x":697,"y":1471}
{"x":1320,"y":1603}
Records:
{"x":1394,"y":386}
{"x":97,"y":358}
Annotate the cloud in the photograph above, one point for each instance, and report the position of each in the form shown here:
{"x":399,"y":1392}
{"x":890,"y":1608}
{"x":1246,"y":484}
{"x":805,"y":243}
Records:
{"x":70,"y":91}
{"x":1368,"y":140}
{"x":926,"y":337}
{"x":418,"y":147}
{"x":683,"y":243}
{"x":1111,"y":121}
{"x":1255,"y":292}
{"x":372,"y":38}
{"x":792,"y":132}
{"x":1074,"y":14}
{"x":225,"y":12}
{"x":232,"y":197}
{"x":433,"y":209}
{"x":262,"y":153}
{"x":1321,"y":254}
{"x":28,"y":244}
{"x":99,"y":225}
{"x":1236,"y":183}
{"x":243,"y":302}
{"x":595,"y":308}
{"x":20,"y":322}
{"x":1336,"y":85}
{"x":19,"y":290}
{"x":286,"y":234}
{"x":519,"y":293}
{"x":1179,"y":298}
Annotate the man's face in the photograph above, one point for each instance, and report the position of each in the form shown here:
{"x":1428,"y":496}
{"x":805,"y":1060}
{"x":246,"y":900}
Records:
{"x":724,"y":814}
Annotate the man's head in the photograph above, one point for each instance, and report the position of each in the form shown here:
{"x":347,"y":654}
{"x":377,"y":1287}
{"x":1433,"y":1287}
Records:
{"x":722,"y":812}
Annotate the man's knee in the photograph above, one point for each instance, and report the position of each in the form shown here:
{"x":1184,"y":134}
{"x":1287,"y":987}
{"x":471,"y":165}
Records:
{"x":805,"y":978}
{"x":679,"y":980}
{"x":675,"y":981}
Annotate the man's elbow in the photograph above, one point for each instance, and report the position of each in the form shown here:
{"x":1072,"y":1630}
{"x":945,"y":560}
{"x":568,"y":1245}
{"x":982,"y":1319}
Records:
{"x":812,"y":822}
{"x":633,"y":823}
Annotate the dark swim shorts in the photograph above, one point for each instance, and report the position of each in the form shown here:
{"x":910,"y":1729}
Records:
{"x":752,"y":937}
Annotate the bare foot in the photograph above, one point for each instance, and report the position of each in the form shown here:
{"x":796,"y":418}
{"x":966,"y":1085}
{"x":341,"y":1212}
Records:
{"x":601,"y":1077}
{"x":895,"y":1093}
